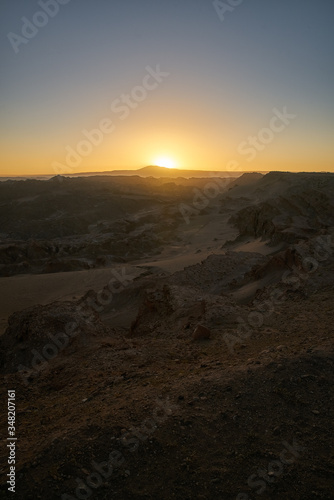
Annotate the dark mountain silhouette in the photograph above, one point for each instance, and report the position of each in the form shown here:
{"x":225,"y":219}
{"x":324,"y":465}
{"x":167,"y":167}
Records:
{"x":156,"y":171}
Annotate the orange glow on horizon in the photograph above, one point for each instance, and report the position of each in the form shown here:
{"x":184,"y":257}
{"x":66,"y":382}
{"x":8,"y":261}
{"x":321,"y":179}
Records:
{"x":164,"y":161}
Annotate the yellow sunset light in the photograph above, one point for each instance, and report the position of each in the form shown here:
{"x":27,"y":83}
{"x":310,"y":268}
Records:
{"x":164,"y":161}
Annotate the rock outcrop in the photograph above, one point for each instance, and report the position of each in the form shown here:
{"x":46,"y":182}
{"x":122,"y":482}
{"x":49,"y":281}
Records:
{"x":41,"y":332}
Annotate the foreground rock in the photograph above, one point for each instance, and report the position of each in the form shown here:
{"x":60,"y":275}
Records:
{"x":40,"y":333}
{"x":201,"y":333}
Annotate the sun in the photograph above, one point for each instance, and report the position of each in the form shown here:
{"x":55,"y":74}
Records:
{"x":164,"y":161}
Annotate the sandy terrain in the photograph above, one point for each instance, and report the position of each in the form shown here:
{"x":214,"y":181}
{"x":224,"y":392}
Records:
{"x":208,"y":375}
{"x":20,"y":292}
{"x":203,"y":236}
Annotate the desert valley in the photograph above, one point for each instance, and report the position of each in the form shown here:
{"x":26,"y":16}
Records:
{"x":169,"y":336}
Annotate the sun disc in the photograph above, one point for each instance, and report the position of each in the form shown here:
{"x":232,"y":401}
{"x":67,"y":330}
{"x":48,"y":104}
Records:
{"x":164,"y":161}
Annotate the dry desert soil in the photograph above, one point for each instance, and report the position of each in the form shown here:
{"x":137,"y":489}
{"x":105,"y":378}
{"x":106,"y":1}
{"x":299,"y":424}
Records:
{"x":167,"y":344}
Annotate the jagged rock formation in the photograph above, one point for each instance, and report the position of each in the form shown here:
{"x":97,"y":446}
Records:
{"x":227,"y":367}
{"x":41,"y":332}
{"x":287,"y":207}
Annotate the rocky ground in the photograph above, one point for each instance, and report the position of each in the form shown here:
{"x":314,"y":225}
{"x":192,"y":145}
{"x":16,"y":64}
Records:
{"x":214,"y":381}
{"x":70,"y":224}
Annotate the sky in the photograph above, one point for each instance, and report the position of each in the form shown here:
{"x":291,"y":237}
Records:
{"x":95,"y":85}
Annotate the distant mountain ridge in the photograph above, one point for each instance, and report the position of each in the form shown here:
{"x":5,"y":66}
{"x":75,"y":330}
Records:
{"x":156,"y":171}
{"x":148,"y":171}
